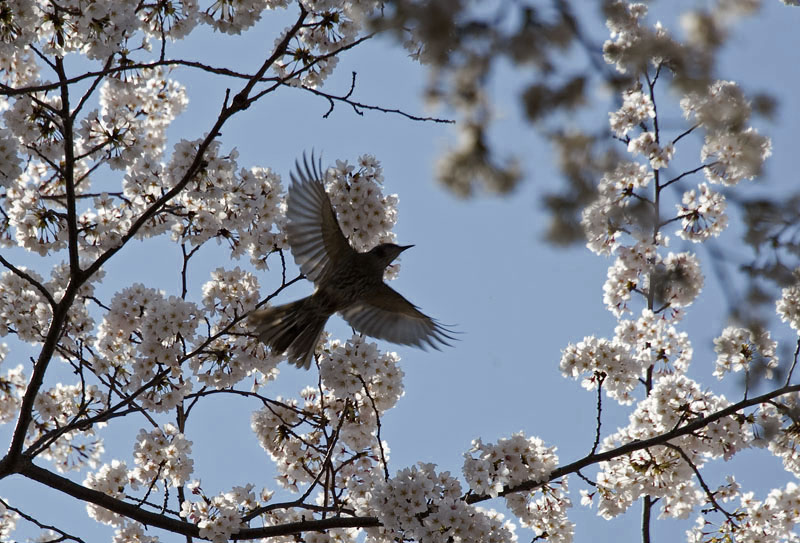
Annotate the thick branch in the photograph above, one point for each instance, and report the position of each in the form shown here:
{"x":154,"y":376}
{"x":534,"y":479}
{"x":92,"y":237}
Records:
{"x":637,"y":445}
{"x":31,"y":471}
{"x":8,"y":464}
{"x":68,"y":170}
{"x":156,"y":520}
{"x":61,"y":309}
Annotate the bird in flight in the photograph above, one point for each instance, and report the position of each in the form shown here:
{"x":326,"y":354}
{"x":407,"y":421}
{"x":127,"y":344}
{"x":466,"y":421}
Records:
{"x":347,"y":282}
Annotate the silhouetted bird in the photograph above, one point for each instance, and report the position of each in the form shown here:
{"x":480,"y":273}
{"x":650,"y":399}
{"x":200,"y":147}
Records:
{"x":347,"y":282}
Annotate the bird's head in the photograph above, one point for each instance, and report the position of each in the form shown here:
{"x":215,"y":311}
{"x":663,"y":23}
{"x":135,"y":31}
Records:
{"x":385,"y":253}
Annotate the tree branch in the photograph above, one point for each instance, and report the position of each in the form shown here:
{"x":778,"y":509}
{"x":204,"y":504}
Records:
{"x":164,"y":522}
{"x":33,"y":282}
{"x":358,"y":106}
{"x":638,"y":445}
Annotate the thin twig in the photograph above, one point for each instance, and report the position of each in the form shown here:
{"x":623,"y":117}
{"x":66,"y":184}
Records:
{"x":358,"y":106}
{"x":64,"y":535}
{"x":378,"y":422}
{"x":33,"y":282}
{"x":600,"y":378}
{"x":684,"y":174}
{"x":709,"y":494}
{"x":794,"y":363}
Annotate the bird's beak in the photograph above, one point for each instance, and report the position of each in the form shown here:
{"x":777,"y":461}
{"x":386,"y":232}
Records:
{"x":404,"y":247}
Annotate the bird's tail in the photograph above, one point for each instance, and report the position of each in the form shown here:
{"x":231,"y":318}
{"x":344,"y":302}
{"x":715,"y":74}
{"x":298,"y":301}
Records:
{"x":292,"y":328}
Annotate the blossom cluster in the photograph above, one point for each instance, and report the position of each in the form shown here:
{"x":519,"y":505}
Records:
{"x":604,"y":221}
{"x":274,"y":426}
{"x":12,"y":387}
{"x":332,"y":25}
{"x":59,"y":407}
{"x":240,"y":207}
{"x":702,"y":214}
{"x":220,"y":516}
{"x":143,"y":333}
{"x":632,"y":44}
{"x":159,"y":455}
{"x":231,"y":357}
{"x":23,"y":309}
{"x":619,"y":364}
{"x":788,"y":306}
{"x":133,"y":116}
{"x":110,"y":479}
{"x":129,"y":532}
{"x":773,"y":519}
{"x":162,"y":454}
{"x":230,"y":293}
{"x":365,"y":215}
{"x":357,"y":370}
{"x":665,"y":471}
{"x":637,"y":107}
{"x":290,"y":432}
{"x":495,"y":467}
{"x":735,"y":150}
{"x":740,"y":349}
{"x":490,"y":468}
{"x":776,"y":425}
{"x":422,"y":505}
{"x":647,"y":144}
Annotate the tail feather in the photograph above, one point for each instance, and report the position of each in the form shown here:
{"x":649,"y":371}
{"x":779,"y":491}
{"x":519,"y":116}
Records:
{"x":292,"y":328}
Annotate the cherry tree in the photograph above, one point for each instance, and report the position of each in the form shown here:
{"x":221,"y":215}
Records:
{"x":87,"y":168}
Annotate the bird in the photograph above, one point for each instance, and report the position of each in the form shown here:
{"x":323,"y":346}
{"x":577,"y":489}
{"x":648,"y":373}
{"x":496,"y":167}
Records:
{"x":347,"y":282}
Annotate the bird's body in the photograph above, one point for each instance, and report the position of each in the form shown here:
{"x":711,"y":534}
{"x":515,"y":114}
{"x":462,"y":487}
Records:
{"x":348,"y":282}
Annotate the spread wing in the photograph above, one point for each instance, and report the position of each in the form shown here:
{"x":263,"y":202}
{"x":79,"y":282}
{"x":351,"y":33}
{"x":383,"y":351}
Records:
{"x":385,"y":314}
{"x":314,"y":235}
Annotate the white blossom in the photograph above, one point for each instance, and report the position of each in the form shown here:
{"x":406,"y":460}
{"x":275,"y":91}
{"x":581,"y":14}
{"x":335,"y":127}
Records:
{"x":220,"y":516}
{"x":133,"y":532}
{"x":421,"y":504}
{"x":162,"y":454}
{"x":12,"y":387}
{"x":110,"y":479}
{"x":365,"y":215}
{"x":627,"y":274}
{"x":723,"y":108}
{"x":636,"y":108}
{"x":738,"y":348}
{"x":788,"y":306}
{"x":662,"y":471}
{"x":619,"y":190}
{"x":702,"y":216}
{"x":8,"y":521}
{"x":735,"y":156}
{"x":646,"y":144}
{"x":347,"y":368}
{"x":680,"y":281}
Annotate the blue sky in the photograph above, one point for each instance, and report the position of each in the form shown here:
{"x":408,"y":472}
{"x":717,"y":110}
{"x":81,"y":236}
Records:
{"x":480,"y":264}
